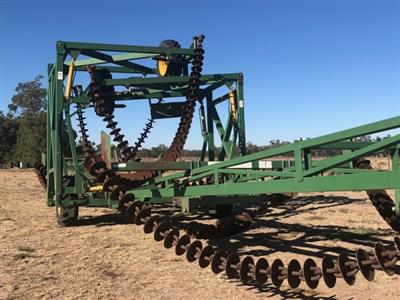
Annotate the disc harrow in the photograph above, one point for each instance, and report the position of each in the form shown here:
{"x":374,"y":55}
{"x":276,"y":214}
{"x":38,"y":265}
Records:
{"x":345,"y":266}
{"x":247,"y":270}
{"x":229,"y":190}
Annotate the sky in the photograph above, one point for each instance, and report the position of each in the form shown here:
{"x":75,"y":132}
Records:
{"x":310,"y":67}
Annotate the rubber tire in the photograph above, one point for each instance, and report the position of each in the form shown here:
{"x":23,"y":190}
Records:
{"x":169,"y":44}
{"x":174,"y":65}
{"x":63,"y":219}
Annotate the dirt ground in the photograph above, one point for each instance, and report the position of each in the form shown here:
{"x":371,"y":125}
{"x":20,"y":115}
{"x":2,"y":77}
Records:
{"x":104,"y":258}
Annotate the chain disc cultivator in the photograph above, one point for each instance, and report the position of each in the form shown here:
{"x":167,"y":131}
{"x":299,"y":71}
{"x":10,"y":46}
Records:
{"x":228,"y":184}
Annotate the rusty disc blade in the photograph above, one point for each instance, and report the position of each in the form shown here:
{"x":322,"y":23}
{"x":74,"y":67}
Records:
{"x":118,"y":193}
{"x":169,"y":239}
{"x":329,"y":277}
{"x":103,"y":175}
{"x":194,"y":250}
{"x":141,"y":216}
{"x":96,"y":167}
{"x":261,"y":272}
{"x":232,"y":265}
{"x":112,"y":183}
{"x":344,"y":269}
{"x":366,"y":270}
{"x":151,"y":223}
{"x":293,"y":279}
{"x":130,"y":214}
{"x":217,"y":261}
{"x":397,"y":243}
{"x":206,"y":256}
{"x":125,"y":202}
{"x":161,"y":231}
{"x":379,"y":249}
{"x":309,"y":272}
{"x":246,"y":269}
{"x":181,"y":245}
{"x":276,"y":272}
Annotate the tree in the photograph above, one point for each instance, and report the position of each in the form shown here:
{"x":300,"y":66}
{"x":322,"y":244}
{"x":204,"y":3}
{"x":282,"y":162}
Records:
{"x":159,"y":150}
{"x":252,"y":148}
{"x":29,"y":100}
{"x":28,"y":106}
{"x":8,"y":136}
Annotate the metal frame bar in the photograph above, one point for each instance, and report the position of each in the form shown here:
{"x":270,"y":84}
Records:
{"x":297,"y":178}
{"x":59,"y":114}
{"x":304,"y":175}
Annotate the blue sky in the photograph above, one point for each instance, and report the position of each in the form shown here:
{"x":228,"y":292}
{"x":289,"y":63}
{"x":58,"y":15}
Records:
{"x":311,"y":67}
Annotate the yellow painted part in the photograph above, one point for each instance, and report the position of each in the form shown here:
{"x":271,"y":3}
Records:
{"x":232,"y":101}
{"x":70,"y":78}
{"x":162,"y":67}
{"x":97,"y":188}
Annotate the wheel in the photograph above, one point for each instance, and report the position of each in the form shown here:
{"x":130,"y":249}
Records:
{"x":67,"y":217}
{"x":173,"y":66}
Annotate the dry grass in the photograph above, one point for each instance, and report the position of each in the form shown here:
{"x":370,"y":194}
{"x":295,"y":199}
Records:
{"x":105,"y":259}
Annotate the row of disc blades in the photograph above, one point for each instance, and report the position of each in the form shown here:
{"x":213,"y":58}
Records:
{"x":261,"y":271}
{"x":40,"y":171}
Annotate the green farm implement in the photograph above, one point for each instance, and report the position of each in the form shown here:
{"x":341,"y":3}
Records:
{"x":225,"y":182}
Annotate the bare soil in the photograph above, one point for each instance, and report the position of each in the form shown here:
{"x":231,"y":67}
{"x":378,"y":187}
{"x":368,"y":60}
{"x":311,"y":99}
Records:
{"x":103,"y":258}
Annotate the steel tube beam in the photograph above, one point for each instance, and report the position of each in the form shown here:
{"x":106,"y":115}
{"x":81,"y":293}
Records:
{"x":371,"y":128}
{"x":352,"y":182}
{"x":126,"y":48}
{"x":143,"y":81}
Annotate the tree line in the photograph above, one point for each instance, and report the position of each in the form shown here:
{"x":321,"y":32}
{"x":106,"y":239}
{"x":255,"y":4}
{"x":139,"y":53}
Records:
{"x":23,"y":130}
{"x":155,"y":152}
{"x":23,"y":126}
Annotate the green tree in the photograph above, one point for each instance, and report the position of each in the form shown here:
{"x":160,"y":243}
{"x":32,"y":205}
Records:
{"x":29,"y":106}
{"x":8,"y":136}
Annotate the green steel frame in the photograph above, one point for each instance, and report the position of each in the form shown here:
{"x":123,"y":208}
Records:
{"x":60,"y":111}
{"x":240,"y":179}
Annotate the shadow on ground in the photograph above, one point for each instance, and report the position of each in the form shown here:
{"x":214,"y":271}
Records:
{"x":102,"y":220}
{"x":272,"y":232}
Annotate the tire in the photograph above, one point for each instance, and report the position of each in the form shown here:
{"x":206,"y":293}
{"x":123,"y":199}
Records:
{"x":169,"y":44}
{"x":67,"y":216}
{"x":173,"y":66}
